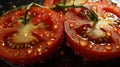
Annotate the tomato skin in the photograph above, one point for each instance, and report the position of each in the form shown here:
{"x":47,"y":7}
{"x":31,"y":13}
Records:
{"x":41,"y":51}
{"x":83,"y":47}
{"x":103,"y":6}
{"x":89,"y":55}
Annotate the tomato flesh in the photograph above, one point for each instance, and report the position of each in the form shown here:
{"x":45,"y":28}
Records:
{"x":35,"y":41}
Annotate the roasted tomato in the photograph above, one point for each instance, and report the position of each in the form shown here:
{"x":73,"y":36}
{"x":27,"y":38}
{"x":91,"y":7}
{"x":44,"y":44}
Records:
{"x":94,"y":40}
{"x":30,"y":34}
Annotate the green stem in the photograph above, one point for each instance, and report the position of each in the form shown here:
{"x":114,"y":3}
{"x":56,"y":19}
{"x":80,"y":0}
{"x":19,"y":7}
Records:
{"x":91,"y":16}
{"x":26,"y":20}
{"x":25,"y":15}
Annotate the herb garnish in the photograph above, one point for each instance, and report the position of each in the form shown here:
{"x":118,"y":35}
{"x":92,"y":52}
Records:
{"x":90,"y":14}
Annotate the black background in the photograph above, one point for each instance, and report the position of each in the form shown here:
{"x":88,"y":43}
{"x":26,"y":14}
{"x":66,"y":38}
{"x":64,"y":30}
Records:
{"x":64,"y":57}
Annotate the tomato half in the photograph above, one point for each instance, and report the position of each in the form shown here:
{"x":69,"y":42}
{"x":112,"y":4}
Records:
{"x":34,"y":41}
{"x":94,"y":40}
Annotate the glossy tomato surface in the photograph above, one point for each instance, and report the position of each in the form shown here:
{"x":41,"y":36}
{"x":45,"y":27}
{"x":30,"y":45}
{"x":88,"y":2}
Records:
{"x":94,"y":40}
{"x":31,"y":42}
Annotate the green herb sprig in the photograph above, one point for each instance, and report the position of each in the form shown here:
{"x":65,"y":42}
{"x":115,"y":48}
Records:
{"x":90,"y":14}
{"x":26,"y":19}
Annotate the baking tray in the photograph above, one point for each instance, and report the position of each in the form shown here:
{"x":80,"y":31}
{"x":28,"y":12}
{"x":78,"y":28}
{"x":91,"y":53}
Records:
{"x":64,"y":57}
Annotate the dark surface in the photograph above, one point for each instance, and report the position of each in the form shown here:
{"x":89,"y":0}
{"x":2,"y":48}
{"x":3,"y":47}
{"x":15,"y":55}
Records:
{"x":6,"y":5}
{"x":64,"y":57}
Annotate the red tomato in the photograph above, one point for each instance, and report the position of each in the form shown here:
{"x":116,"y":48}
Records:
{"x":100,"y":41}
{"x":33,"y":42}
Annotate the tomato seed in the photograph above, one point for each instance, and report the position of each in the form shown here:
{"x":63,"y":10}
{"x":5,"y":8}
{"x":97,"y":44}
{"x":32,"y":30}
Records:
{"x":39,"y":49}
{"x":13,"y":46}
{"x":108,"y":47}
{"x":17,"y":46}
{"x":83,"y":43}
{"x":55,"y":26}
{"x":10,"y":44}
{"x":29,"y":51}
{"x":108,"y":33}
{"x":102,"y":44}
{"x":21,"y":46}
{"x":26,"y":45}
{"x":52,"y":39}
{"x":29,"y":45}
{"x":90,"y":46}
